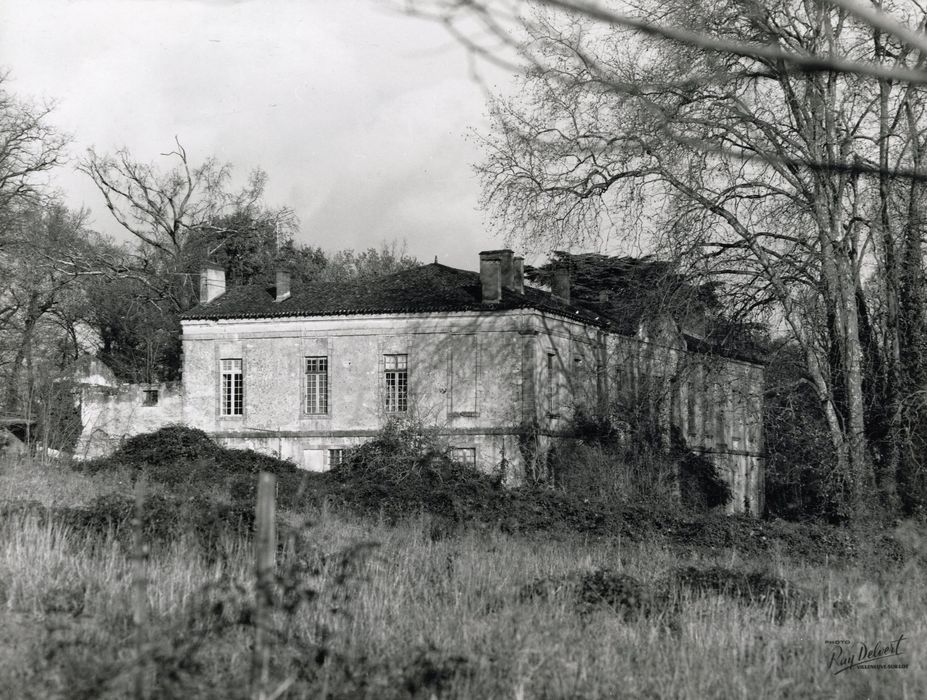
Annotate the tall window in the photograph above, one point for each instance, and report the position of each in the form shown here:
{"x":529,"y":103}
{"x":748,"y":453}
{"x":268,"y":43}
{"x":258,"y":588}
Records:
{"x":691,"y":406}
{"x":233,"y":388}
{"x":721,"y":416}
{"x":551,"y":385}
{"x":316,"y":385}
{"x":396,"y":371}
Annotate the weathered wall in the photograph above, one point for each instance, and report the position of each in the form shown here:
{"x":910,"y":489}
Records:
{"x":109,"y":414}
{"x":504,"y":384}
{"x":715,"y":403}
{"x":465,"y":378}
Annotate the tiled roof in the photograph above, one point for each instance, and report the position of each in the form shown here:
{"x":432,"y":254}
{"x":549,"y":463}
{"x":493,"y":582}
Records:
{"x":428,"y":288}
{"x":424,"y":289}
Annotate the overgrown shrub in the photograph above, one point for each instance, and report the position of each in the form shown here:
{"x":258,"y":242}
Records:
{"x":630,"y":598}
{"x":187,"y":462}
{"x":800,"y":457}
{"x":614,"y":472}
{"x":404,"y":470}
{"x":606,"y":462}
{"x":164,"y":518}
{"x":619,"y":592}
{"x":701,"y":486}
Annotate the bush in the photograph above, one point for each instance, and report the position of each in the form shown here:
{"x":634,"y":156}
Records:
{"x":800,"y":453}
{"x":405,"y":470}
{"x":700,"y":485}
{"x":164,"y":519}
{"x":612,"y":472}
{"x":608,"y":465}
{"x":187,"y":462}
{"x":166,"y":448}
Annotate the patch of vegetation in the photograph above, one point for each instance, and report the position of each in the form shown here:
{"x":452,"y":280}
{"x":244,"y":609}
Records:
{"x":190,"y":464}
{"x":174,"y":454}
{"x":164,"y":518}
{"x":423,"y":616}
{"x":751,"y":588}
{"x":621,"y":593}
{"x":204,"y":489}
{"x":701,"y":486}
{"x":405,"y":471}
{"x":631,"y":599}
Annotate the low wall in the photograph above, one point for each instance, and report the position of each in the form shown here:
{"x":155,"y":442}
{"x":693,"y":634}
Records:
{"x":111,"y":414}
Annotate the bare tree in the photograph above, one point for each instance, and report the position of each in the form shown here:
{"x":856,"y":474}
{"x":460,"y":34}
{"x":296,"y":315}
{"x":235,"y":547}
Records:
{"x":35,"y":293}
{"x":163,"y":210}
{"x":774,"y":145}
{"x":29,"y":147}
{"x":180,"y":216}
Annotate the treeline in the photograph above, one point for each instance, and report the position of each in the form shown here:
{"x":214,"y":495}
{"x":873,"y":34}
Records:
{"x":66,"y":289}
{"x":776,"y":147}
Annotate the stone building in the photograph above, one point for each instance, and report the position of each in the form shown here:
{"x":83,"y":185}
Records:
{"x":499,"y":368}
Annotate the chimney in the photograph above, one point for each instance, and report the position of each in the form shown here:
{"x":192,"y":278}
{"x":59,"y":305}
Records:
{"x":491,"y":277}
{"x":518,"y":268}
{"x":508,"y":269}
{"x":561,"y":285}
{"x":212,"y":282}
{"x":497,"y":272}
{"x":283,"y":285}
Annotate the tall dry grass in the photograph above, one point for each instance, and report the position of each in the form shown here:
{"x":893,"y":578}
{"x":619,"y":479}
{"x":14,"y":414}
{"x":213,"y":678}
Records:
{"x":419,"y":616}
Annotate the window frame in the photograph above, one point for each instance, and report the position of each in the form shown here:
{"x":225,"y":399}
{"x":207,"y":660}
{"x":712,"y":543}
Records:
{"x":147,"y":395}
{"x":395,"y":395}
{"x":454,"y":452}
{"x":327,"y":388}
{"x":240,"y":389}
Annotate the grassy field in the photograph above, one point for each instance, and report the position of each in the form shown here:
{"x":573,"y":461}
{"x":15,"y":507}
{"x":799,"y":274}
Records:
{"x":416,"y":609}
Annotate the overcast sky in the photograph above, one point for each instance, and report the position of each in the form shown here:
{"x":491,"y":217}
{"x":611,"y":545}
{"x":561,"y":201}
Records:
{"x":359,"y":115}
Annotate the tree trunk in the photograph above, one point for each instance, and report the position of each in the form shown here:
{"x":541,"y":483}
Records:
{"x":912,"y":367}
{"x":886,"y":408}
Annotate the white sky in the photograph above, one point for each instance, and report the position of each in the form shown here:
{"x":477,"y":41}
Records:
{"x":358,"y":115}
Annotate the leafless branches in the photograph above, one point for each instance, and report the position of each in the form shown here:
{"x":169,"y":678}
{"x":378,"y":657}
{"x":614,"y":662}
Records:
{"x":29,"y":148}
{"x":517,"y":35}
{"x":777,"y":146}
{"x":162,"y":210}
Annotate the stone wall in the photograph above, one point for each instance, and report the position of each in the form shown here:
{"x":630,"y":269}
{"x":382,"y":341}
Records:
{"x":109,"y":414}
{"x":478,"y":378}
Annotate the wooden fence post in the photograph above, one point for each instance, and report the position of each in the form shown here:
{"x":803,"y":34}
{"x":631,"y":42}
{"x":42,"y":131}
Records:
{"x":140,"y":589}
{"x":265,"y":556}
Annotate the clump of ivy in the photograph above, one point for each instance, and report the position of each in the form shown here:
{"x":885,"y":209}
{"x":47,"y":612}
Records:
{"x":701,"y":485}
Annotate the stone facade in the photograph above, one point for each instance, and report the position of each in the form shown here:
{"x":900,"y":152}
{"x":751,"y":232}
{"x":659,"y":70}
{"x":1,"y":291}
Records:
{"x":498,"y":379}
{"x":477,"y":378}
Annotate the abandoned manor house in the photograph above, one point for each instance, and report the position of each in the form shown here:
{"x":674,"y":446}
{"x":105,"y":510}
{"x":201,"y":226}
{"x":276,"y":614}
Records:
{"x":501,"y":369}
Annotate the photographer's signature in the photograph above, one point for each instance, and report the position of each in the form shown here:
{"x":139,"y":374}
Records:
{"x":846,"y":655}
